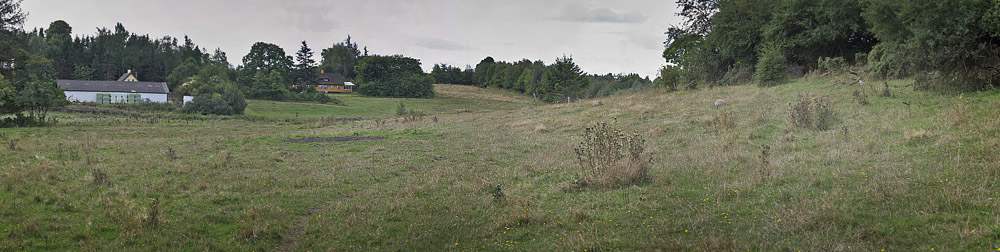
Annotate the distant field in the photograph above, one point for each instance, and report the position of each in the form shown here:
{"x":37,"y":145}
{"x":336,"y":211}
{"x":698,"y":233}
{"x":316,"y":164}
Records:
{"x":451,"y":99}
{"x":911,"y":171}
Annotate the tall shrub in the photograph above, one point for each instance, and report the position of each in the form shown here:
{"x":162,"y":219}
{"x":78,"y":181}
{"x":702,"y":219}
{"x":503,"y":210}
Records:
{"x":771,"y":67}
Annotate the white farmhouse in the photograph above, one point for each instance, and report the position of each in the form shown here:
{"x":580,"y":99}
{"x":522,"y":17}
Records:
{"x":126,"y":90}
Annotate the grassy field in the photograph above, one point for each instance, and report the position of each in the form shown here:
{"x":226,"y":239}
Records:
{"x":911,"y":171}
{"x":450,"y":99}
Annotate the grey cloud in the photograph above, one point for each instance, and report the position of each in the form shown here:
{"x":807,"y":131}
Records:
{"x":441,"y":45}
{"x":314,"y":22}
{"x":647,"y":42}
{"x":310,"y":16}
{"x":578,"y":13}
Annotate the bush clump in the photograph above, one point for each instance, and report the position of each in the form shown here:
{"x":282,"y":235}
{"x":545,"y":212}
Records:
{"x":311,"y":95}
{"x":226,"y":100}
{"x":669,"y":77}
{"x":393,"y":76}
{"x":813,"y":113}
{"x":832,"y":65}
{"x":860,"y":97}
{"x":771,"y":67}
{"x":738,"y":75}
{"x":612,"y":158}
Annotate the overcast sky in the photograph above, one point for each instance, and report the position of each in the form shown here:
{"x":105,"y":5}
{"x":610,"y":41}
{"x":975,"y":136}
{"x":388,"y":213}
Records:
{"x":602,"y":36}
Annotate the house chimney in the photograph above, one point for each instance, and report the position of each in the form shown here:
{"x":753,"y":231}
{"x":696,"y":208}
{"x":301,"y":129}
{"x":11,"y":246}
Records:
{"x":130,"y":71}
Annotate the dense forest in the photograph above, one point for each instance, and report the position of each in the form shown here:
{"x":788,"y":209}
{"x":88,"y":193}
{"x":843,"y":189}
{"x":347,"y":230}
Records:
{"x":111,"y":52}
{"x":944,"y":44}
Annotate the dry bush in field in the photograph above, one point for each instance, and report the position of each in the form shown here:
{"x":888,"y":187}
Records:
{"x":100,"y":177}
{"x":612,"y":158}
{"x":724,"y":120}
{"x":252,"y":223}
{"x":812,"y":112}
{"x":860,"y":97}
{"x":959,"y":113}
{"x":886,"y":92}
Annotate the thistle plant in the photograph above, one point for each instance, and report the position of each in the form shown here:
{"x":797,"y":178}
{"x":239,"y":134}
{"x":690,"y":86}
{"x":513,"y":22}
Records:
{"x":610,"y":157}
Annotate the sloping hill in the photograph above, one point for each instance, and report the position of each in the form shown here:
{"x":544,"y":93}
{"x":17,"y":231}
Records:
{"x":912,"y":171}
{"x":475,"y":93}
{"x":450,"y":99}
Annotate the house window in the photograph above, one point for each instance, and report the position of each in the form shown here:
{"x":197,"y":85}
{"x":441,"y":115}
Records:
{"x":325,"y":80}
{"x":322,"y":86}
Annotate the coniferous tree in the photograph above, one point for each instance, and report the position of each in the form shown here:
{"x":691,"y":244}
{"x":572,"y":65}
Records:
{"x":305,"y":68}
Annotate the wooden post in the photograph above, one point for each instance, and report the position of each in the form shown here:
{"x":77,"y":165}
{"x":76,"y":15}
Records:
{"x":536,"y":98}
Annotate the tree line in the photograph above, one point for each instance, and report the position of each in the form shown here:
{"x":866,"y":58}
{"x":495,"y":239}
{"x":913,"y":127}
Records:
{"x":554,"y":82}
{"x":948,"y":44}
{"x":43,"y":55}
{"x":27,"y":84}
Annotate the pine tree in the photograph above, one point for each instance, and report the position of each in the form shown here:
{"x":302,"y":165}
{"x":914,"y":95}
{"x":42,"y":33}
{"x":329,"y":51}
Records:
{"x":305,"y":66}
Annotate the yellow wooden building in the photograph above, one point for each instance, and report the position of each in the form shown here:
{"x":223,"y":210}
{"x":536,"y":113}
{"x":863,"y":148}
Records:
{"x":333,"y":83}
{"x":129,"y":77}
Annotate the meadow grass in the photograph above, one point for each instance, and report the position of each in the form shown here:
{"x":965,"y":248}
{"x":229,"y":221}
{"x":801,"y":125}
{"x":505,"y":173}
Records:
{"x":450,"y":99}
{"x":885,"y":175}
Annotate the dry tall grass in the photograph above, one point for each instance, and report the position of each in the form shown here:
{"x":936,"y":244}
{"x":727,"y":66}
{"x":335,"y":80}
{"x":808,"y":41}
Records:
{"x":611,"y":158}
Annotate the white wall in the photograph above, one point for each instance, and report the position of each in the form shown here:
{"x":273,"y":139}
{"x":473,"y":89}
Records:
{"x":92,"y":96}
{"x":162,"y":98}
{"x":81,"y":96}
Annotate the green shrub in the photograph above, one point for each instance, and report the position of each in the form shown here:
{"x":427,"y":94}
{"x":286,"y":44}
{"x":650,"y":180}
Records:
{"x":771,"y":67}
{"x":209,"y":104}
{"x":832,"y":65}
{"x":314,"y":96}
{"x":888,"y":61}
{"x":401,"y":109}
{"x":861,"y":59}
{"x":669,"y":77}
{"x":148,"y":107}
{"x":738,"y":75}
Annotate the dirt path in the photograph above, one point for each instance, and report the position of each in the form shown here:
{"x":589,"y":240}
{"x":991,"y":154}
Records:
{"x":290,"y":240}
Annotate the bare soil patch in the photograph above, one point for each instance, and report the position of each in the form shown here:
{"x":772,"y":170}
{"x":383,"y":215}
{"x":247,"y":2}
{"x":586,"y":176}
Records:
{"x":334,"y":139}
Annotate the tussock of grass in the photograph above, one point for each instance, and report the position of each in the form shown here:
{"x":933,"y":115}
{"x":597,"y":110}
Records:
{"x":812,"y":112}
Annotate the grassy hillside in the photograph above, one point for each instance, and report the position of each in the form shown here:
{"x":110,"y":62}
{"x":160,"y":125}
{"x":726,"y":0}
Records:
{"x":450,"y":99}
{"x":912,"y":171}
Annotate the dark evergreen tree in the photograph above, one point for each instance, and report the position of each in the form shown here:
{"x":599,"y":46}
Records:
{"x":305,"y":68}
